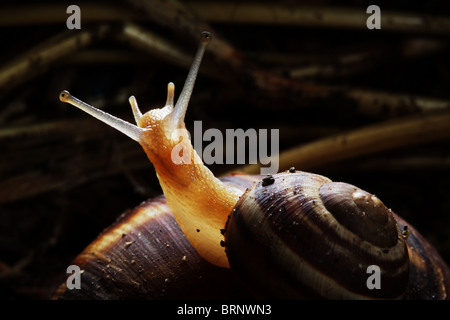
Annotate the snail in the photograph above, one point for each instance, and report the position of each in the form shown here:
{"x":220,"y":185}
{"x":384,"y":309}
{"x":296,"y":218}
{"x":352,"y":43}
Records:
{"x":293,"y":234}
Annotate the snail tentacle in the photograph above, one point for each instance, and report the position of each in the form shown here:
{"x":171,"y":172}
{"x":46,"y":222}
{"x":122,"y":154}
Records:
{"x":176,"y":118}
{"x":170,"y":95}
{"x":135,"y":108}
{"x":132,"y":131}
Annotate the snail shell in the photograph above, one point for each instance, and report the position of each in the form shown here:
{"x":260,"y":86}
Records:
{"x":317,"y":238}
{"x":145,"y":255}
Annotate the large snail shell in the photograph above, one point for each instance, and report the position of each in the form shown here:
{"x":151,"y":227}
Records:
{"x":315,"y":237}
{"x":145,"y":255}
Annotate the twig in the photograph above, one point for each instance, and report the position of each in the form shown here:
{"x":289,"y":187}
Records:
{"x":182,"y":19}
{"x":67,"y":173}
{"x":161,"y":47}
{"x":38,"y":14}
{"x":317,"y":16}
{"x":408,"y":163}
{"x":37,"y":59}
{"x":385,"y":104}
{"x":173,"y":14}
{"x":360,"y":60}
{"x":225,"y":12}
{"x":375,"y":138}
{"x":153,"y":43}
{"x":109,"y":56}
{"x":49,"y":128}
{"x":61,"y":167}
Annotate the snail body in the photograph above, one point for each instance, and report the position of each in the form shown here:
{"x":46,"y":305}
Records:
{"x":319,"y":237}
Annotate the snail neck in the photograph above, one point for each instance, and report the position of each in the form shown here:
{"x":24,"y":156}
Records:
{"x":199,"y":201}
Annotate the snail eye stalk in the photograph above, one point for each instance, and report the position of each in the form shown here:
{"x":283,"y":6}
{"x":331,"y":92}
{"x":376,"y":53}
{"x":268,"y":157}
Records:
{"x":131,"y":130}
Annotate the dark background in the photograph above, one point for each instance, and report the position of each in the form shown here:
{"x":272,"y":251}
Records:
{"x":64,"y":177}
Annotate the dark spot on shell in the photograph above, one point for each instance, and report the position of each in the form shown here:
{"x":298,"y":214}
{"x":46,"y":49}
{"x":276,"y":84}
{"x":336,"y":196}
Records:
{"x":268,"y":181}
{"x":198,"y":230}
{"x":222,"y":231}
{"x":222,"y":243}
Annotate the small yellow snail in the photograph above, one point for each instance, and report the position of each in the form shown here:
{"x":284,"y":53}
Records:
{"x":290,"y":235}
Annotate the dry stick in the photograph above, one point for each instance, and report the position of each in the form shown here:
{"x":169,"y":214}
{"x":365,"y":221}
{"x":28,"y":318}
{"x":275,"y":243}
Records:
{"x":68,"y":173}
{"x":317,"y":16}
{"x":53,"y":127}
{"x":384,"y":104}
{"x":55,"y":13}
{"x":225,"y":12}
{"x":358,"y":60}
{"x":37,"y":59}
{"x":153,"y":43}
{"x":400,"y":164}
{"x":375,"y":138}
{"x":109,"y":56}
{"x":156,"y":45}
{"x":377,"y":104}
{"x":175,"y":15}
{"x":65,"y":173}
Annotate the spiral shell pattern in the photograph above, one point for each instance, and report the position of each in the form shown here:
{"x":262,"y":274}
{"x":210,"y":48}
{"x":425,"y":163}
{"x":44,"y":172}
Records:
{"x":316,"y":238}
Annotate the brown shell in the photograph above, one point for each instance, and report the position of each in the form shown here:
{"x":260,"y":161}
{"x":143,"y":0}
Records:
{"x":145,"y":255}
{"x":316,"y":238}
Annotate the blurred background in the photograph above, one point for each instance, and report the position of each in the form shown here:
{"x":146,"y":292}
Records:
{"x":311,"y":69}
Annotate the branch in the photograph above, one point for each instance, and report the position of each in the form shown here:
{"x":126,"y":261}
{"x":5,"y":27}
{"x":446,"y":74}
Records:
{"x":399,"y":133}
{"x":36,"y":60}
{"x":55,"y":13}
{"x":317,"y":16}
